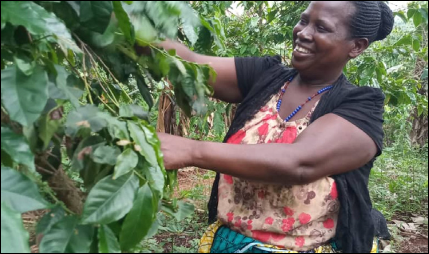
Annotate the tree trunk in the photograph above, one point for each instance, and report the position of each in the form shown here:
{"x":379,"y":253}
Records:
{"x":166,"y":114}
{"x":66,"y":191}
{"x":419,"y":131}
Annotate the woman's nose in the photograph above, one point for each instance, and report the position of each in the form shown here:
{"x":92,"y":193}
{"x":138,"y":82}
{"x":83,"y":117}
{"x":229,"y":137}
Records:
{"x":306,"y":34}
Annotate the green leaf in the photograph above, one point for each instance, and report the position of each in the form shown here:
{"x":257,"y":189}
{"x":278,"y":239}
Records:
{"x":183,"y":210}
{"x":152,"y":138}
{"x":95,"y":15}
{"x":165,"y":15}
{"x":131,"y":110}
{"x":420,"y":110}
{"x":405,"y":40}
{"x":66,"y":236}
{"x":24,"y":96}
{"x":17,"y":147}
{"x":106,"y":38}
{"x":85,"y":148}
{"x":425,"y":74}
{"x":416,"y":45}
{"x":109,"y":200}
{"x":81,"y":240}
{"x":144,"y":91}
{"x":367,"y":74}
{"x":124,"y":21}
{"x":144,"y":31}
{"x":106,"y":155}
{"x":271,"y":16}
{"x":19,"y":192}
{"x":218,"y":123}
{"x":24,"y":64}
{"x":143,"y":147}
{"x":107,"y":242}
{"x":38,"y":21}
{"x":242,"y":50}
{"x":58,"y":237}
{"x":88,"y":116}
{"x":190,"y":33}
{"x":155,"y":177}
{"x":411,"y":12}
{"x":417,"y":19}
{"x":6,"y":160}
{"x":66,"y":86}
{"x":424,"y":13}
{"x":49,"y":124}
{"x":49,"y":219}
{"x":126,"y":162}
{"x":190,"y":21}
{"x":411,"y":96}
{"x":402,"y":15}
{"x":153,"y":229}
{"x":14,"y":237}
{"x":67,"y":11}
{"x":118,"y":129}
{"x":140,"y":219}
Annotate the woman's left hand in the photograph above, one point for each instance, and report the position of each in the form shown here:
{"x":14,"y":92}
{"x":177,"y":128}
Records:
{"x":177,"y":151}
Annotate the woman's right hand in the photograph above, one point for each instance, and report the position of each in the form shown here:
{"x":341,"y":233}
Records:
{"x":225,"y":86}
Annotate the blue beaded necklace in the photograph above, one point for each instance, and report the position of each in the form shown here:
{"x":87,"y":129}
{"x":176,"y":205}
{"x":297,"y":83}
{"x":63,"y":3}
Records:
{"x":279,"y":103}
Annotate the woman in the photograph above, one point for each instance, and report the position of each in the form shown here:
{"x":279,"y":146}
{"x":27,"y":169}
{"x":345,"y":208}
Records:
{"x":293,"y":171}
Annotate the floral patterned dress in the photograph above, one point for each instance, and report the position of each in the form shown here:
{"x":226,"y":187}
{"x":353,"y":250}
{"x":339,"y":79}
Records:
{"x":299,"y":217}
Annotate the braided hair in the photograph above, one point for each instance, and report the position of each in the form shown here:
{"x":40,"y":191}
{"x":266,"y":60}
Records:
{"x":372,"y":20}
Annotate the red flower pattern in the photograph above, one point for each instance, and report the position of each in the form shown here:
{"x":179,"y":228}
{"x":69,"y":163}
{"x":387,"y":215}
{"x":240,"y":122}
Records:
{"x":287,"y":224}
{"x":237,"y":137}
{"x":261,"y":235}
{"x":300,"y":241}
{"x":269,"y":221}
{"x":228,"y":179}
{"x":304,"y":218}
{"x":334,"y":191}
{"x":263,"y":130}
{"x":249,"y":225}
{"x":230,"y":216}
{"x":288,"y":211}
{"x":269,"y":117}
{"x":266,"y":236}
{"x":329,"y":223}
{"x":288,"y":136}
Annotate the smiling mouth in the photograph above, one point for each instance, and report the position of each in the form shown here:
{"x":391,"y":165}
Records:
{"x":301,"y":50}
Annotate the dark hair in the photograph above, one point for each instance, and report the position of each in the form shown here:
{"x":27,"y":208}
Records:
{"x":372,"y":20}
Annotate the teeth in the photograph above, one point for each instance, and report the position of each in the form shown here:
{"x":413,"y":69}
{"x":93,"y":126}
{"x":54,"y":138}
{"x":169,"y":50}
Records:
{"x":302,"y":50}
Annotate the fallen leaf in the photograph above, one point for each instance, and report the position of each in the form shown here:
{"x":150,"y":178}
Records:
{"x":409,"y":227}
{"x":387,"y":249}
{"x":420,"y":220}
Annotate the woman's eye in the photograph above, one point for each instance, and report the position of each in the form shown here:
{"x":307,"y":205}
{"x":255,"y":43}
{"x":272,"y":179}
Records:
{"x":321,"y":28}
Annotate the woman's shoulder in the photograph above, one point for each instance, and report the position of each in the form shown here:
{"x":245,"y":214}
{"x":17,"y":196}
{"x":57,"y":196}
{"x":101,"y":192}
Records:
{"x":353,"y":92}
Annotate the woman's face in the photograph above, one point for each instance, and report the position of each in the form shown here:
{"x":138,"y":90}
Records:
{"x":321,"y":38}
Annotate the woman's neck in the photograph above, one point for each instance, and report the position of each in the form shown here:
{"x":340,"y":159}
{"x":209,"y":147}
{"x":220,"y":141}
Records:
{"x":312,"y":81}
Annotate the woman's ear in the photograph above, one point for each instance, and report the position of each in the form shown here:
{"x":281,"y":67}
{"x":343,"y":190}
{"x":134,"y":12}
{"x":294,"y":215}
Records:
{"x":359,"y":46}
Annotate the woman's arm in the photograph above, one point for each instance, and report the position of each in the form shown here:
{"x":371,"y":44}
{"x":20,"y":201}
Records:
{"x":329,"y":146}
{"x":226,"y":86}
